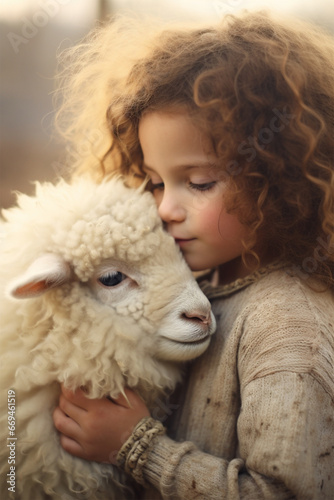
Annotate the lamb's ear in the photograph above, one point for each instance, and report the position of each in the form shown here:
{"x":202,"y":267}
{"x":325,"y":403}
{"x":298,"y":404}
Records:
{"x":47,"y":271}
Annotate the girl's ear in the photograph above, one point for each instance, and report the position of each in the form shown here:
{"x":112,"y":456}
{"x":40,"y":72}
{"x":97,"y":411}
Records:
{"x":46,"y":272}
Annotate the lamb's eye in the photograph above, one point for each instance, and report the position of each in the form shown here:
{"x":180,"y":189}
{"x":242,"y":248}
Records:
{"x":112,"y":278}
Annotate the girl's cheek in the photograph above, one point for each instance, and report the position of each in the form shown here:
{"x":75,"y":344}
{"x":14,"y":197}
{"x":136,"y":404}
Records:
{"x":207,"y":219}
{"x":210,"y":201}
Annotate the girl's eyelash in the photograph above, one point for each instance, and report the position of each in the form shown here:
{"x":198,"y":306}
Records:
{"x":198,"y":187}
{"x":202,"y":187}
{"x":159,"y":185}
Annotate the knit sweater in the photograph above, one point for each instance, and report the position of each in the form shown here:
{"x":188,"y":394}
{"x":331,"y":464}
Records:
{"x":257,"y":417}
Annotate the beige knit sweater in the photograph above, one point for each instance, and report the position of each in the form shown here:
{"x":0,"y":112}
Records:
{"x":257,"y":418}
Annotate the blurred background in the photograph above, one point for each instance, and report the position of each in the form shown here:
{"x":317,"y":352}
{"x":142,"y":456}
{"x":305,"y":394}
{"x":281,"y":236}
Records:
{"x":33,"y":32}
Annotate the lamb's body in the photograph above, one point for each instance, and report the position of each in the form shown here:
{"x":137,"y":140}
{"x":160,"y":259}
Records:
{"x":93,"y":327}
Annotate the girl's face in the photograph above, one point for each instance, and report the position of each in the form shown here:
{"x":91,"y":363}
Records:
{"x":189,"y":193}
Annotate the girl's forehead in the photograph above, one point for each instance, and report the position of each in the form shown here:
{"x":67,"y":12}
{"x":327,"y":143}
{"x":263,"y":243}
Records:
{"x":171,"y":125}
{"x":173,"y":135}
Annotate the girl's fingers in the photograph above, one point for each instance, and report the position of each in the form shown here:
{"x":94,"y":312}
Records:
{"x":66,"y":425}
{"x":71,"y":409}
{"x":78,"y":397}
{"x":72,"y":446}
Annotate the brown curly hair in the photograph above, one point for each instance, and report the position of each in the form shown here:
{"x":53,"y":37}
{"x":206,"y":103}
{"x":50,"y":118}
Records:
{"x":261,"y":88}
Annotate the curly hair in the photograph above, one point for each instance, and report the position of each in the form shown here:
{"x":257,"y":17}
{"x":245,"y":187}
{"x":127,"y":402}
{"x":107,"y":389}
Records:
{"x":260,"y":87}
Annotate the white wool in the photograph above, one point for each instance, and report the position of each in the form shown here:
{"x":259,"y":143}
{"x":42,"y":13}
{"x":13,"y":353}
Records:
{"x":69,"y":328}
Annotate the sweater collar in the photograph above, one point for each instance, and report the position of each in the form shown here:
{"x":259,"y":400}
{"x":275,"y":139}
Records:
{"x":214,"y":292}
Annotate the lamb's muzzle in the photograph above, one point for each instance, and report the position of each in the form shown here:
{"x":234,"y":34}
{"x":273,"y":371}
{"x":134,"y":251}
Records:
{"x":192,"y":326}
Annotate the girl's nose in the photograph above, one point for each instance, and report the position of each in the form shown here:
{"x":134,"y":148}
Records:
{"x":171,"y":208}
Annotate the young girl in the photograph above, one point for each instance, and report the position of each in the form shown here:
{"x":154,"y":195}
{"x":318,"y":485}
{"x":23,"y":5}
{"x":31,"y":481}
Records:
{"x":233,"y":126}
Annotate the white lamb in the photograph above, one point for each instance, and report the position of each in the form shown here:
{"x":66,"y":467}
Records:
{"x":110,"y":302}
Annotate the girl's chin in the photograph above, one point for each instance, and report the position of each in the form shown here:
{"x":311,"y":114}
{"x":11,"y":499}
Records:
{"x":196,"y":267}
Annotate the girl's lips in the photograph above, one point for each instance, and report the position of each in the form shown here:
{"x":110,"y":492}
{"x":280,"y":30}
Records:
{"x":181,"y":242}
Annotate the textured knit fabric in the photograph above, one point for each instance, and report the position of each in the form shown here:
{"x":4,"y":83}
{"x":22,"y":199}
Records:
{"x":257,"y":418}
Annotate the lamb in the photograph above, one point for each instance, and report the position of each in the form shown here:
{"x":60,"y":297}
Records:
{"x":109,"y":302}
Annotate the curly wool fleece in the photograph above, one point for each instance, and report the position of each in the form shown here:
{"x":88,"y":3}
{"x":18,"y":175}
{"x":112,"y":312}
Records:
{"x":118,"y":226}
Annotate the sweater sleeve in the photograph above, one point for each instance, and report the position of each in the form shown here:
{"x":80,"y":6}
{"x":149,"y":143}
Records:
{"x":288,"y":457}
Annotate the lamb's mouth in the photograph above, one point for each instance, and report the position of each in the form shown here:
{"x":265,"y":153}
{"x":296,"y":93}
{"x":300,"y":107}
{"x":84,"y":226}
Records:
{"x":190,"y":342}
{"x":181,"y":350}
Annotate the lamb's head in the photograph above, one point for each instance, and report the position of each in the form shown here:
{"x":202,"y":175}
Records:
{"x":114,"y":281}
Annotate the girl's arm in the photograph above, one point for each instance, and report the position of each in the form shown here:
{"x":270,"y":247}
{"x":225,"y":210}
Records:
{"x":96,"y":429}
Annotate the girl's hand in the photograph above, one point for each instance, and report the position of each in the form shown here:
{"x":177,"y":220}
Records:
{"x":96,"y":429}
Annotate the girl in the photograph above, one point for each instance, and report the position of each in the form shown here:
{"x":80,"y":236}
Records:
{"x":233,"y":127}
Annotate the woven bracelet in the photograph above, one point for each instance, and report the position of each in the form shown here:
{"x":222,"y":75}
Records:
{"x":134,"y":452}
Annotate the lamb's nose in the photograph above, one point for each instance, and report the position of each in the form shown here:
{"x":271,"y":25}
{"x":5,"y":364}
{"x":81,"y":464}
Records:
{"x":198,"y":316}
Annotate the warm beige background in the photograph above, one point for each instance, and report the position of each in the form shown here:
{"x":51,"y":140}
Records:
{"x":28,"y":148}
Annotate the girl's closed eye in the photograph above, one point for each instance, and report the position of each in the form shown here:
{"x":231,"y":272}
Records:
{"x":205,"y":186}
{"x":154,"y":182}
{"x":157,"y":185}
